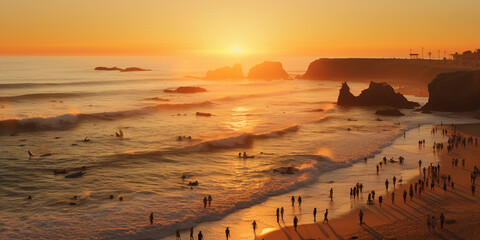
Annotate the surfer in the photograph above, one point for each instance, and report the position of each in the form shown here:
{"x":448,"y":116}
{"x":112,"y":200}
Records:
{"x":30,"y":153}
{"x":119,"y":134}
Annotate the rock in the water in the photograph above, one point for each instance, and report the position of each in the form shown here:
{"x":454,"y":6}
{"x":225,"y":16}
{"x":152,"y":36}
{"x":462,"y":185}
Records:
{"x":235,"y":72}
{"x":268,"y":70}
{"x":454,"y":92}
{"x":389,"y":112}
{"x":377,"y":94}
{"x":134,"y":69}
{"x":108,"y":69}
{"x":186,"y":90}
{"x":201,"y":114}
{"x":130,"y":69}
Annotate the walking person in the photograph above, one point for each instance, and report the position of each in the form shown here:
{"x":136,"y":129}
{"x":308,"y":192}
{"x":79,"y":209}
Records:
{"x":278,"y":215}
{"x":281,"y":212}
{"x":191,"y":234}
{"x":254,"y":224}
{"x":293,"y":201}
{"x":315,"y":214}
{"x":325,"y":217}
{"x":299,"y":200}
{"x":205,"y":201}
{"x":360,"y":215}
{"x":404,"y":196}
{"x":295,"y":222}
{"x":151,"y":218}
{"x":227,"y":233}
{"x":380,"y":199}
{"x":386,"y":184}
{"x":177,"y":234}
{"x":393,"y":197}
{"x":209,"y":200}
{"x":200,"y":235}
{"x":331,"y":194}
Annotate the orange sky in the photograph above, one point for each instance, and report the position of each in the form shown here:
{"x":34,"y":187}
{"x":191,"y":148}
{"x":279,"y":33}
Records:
{"x":332,"y":28}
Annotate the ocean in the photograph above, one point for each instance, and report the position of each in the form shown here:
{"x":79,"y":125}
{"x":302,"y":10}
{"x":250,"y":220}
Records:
{"x":49,"y":105}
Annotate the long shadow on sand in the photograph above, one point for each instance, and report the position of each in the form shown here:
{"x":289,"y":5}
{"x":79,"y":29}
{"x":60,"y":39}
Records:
{"x":335,"y":233}
{"x":322,"y":230}
{"x":372,"y":232}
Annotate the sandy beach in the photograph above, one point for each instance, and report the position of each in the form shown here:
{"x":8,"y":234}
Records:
{"x":407,"y":220}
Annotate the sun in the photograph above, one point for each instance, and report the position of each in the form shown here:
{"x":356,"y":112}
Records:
{"x":236,"y":50}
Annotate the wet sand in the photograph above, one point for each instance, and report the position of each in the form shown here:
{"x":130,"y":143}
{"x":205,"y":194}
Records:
{"x":406,"y":220}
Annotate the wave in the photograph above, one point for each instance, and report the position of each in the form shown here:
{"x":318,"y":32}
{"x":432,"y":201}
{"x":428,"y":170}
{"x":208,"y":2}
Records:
{"x":79,"y":83}
{"x":309,"y":167}
{"x":241,"y":141}
{"x":36,"y":96}
{"x":68,"y":121}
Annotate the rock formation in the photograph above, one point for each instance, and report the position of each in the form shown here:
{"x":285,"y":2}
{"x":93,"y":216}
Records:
{"x":454,"y":92}
{"x":268,"y":70}
{"x":377,"y":94}
{"x":186,"y":90}
{"x":235,"y":72}
{"x":130,"y":69}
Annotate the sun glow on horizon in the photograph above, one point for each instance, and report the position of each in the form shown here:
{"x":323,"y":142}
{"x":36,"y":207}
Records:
{"x":325,"y":28}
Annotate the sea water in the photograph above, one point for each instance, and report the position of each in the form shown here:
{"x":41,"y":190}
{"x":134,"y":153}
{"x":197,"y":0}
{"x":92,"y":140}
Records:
{"x":51,"y":104}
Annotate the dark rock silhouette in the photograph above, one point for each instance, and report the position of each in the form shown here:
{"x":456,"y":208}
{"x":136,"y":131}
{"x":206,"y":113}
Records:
{"x":268,"y":70}
{"x":134,"y":69}
{"x":130,"y":69}
{"x":235,"y":72}
{"x":186,"y":90}
{"x":201,"y":114}
{"x":389,"y":112}
{"x":361,"y":69}
{"x":454,"y":92}
{"x":108,"y":69}
{"x":377,"y":94}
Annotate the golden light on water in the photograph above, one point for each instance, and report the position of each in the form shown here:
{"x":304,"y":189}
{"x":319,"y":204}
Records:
{"x":239,"y":120}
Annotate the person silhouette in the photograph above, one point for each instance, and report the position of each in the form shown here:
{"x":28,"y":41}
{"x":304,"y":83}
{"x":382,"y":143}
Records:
{"x":191,"y":234}
{"x":331,"y":194}
{"x":360,"y":216}
{"x":281,"y":212}
{"x":442,"y":220}
{"x":177,"y":234}
{"x":295,"y":222}
{"x":299,"y":200}
{"x":205,"y":202}
{"x":293,"y":201}
{"x":325,"y":217}
{"x":315,"y":214}
{"x":227,"y":233}
{"x":380,"y":199}
{"x":200,"y":235}
{"x":151,"y":218}
{"x":254,"y":224}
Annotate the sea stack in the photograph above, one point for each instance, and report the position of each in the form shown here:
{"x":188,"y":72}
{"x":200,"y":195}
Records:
{"x":268,"y":70}
{"x":377,"y":94}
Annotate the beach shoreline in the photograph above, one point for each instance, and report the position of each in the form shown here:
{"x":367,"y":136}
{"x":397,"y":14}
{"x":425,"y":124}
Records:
{"x":404,"y":220}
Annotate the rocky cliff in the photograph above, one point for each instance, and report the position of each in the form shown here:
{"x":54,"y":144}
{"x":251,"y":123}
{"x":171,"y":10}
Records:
{"x":235,"y":72}
{"x":454,"y":92}
{"x":377,"y":94}
{"x":268,"y":70}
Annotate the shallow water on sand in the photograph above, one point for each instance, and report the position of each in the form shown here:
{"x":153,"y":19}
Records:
{"x":53,"y":104}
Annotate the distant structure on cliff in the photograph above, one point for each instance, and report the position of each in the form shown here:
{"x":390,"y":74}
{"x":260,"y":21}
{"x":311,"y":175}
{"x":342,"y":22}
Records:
{"x":468,"y":58}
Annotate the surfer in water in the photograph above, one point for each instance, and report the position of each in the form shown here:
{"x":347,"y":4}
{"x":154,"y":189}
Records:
{"x":30,"y":154}
{"x":119,"y":134}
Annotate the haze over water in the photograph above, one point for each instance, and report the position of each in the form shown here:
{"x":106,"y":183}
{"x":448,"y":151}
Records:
{"x":51,"y":104}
